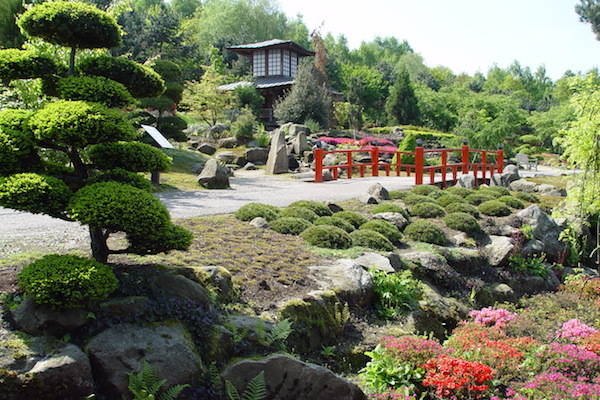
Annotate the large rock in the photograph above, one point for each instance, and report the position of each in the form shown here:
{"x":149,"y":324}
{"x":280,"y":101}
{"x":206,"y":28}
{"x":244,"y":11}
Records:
{"x":259,"y":222}
{"x":123,"y":348}
{"x":257,"y":155}
{"x":375,"y":261}
{"x":300,"y":144}
{"x":379,"y":192}
{"x":523,"y":185}
{"x":290,"y":379}
{"x":227,"y":143}
{"x":38,"y":319}
{"x":393,"y":217}
{"x":277,"y":162}
{"x":297,"y":129}
{"x":227,"y":157}
{"x":218,"y":278}
{"x":509,"y":175}
{"x":545,"y":230}
{"x":368,"y":199}
{"x":498,"y":250}
{"x":164,"y":284}
{"x":550,"y":190}
{"x":347,"y":278}
{"x":466,"y":181}
{"x":207,"y":148}
{"x":214,"y":176}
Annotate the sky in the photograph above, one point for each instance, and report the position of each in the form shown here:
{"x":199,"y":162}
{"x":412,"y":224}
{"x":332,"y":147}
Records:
{"x":464,"y":35}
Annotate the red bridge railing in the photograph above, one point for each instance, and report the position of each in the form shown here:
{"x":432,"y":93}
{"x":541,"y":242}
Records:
{"x":485,"y":164}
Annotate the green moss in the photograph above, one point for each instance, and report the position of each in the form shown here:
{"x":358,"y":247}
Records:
{"x":425,"y":231}
{"x":335,"y":221}
{"x":356,"y":219}
{"x":289,"y":225}
{"x":417,"y":199}
{"x":327,"y":236}
{"x":478,"y":198}
{"x":425,"y":190}
{"x":459,"y":191}
{"x":387,"y":229}
{"x":512,"y":202}
{"x":494,"y":191}
{"x":371,"y":239}
{"x":427,"y":210}
{"x":318,"y":208}
{"x":299,"y":212}
{"x":494,"y":208}
{"x":449,"y":198}
{"x":390,"y":207}
{"x":528,"y":197}
{"x":398,"y":194}
{"x":254,"y":210}
{"x":463,"y":207}
{"x":463,"y":222}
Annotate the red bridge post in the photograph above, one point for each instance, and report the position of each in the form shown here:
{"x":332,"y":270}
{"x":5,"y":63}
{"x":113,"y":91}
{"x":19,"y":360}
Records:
{"x":465,"y":157}
{"x":419,"y":162}
{"x":500,"y":158}
{"x":375,"y":161}
{"x":318,"y":165}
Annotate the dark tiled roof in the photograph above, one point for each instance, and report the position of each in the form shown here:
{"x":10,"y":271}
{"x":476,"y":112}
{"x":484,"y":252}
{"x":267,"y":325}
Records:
{"x":264,"y":82}
{"x":245,"y":48}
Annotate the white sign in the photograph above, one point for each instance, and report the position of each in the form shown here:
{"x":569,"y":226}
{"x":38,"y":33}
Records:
{"x":158,"y":137}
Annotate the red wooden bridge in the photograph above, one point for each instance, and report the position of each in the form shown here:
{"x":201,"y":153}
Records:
{"x":483,"y":164}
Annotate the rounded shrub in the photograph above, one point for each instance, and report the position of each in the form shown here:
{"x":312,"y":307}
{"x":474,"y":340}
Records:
{"x":24,"y":64}
{"x":318,"y":208}
{"x":167,"y":70}
{"x":72,"y":24}
{"x":9,"y":158}
{"x":356,"y":219}
{"x":371,"y":239}
{"x":131,"y":156}
{"x":528,"y":197}
{"x":449,"y":198}
{"x":494,"y":191}
{"x":299,"y":212}
{"x":478,"y":198}
{"x":512,"y":202}
{"x":427,"y":210}
{"x":531,"y":140}
{"x":335,"y":221}
{"x":78,"y":124}
{"x":34,"y":193}
{"x":425,"y":190}
{"x":387,"y":229}
{"x":459,"y":191}
{"x":67,"y":281}
{"x":122,"y":176}
{"x":160,"y":103}
{"x":388,"y":207}
{"x":327,"y":236}
{"x":289,"y":225}
{"x":254,"y":210}
{"x":436,"y":194}
{"x":174,"y":91}
{"x":464,"y":208}
{"x":94,"y":88}
{"x":172,"y":127}
{"x":417,"y":199}
{"x":463,"y":222}
{"x":17,"y":149}
{"x":425,"y":231}
{"x":141,"y":81}
{"x":398,"y":194}
{"x":161,"y":240}
{"x":494,"y":208}
{"x":243,"y":127}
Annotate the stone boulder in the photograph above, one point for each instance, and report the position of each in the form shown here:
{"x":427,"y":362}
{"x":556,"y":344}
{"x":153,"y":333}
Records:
{"x":257,"y":155}
{"x":495,"y":293}
{"x":219,"y":278}
{"x":217,"y":129}
{"x":466,"y":181}
{"x":38,"y":319}
{"x":277,"y":161}
{"x":164,"y":284}
{"x":333,"y":206}
{"x":290,"y":379}
{"x":249,"y":167}
{"x":498,"y":250}
{"x":368,"y":199}
{"x":550,"y":190}
{"x":347,"y":278}
{"x":379,"y":192}
{"x":297,"y":129}
{"x":259,"y":222}
{"x":376,"y":261}
{"x":293,"y":163}
{"x":523,"y":185}
{"x":508,"y":176}
{"x":122,"y":349}
{"x":240,"y":161}
{"x":300,"y":143}
{"x":227,"y":143}
{"x":393,"y":217}
{"x":214,"y":176}
{"x":206,"y":148}
{"x":545,"y":230}
{"x":226,"y":157}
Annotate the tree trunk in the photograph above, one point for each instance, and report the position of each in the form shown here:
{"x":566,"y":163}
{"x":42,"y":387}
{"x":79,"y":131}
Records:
{"x":99,"y":247}
{"x":72,"y":61}
{"x":78,"y":164}
{"x":155,"y":177}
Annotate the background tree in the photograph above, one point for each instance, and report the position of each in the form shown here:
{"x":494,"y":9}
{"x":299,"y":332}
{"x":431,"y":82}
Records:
{"x":589,"y":11}
{"x":402,"y":104}
{"x":10,"y":34}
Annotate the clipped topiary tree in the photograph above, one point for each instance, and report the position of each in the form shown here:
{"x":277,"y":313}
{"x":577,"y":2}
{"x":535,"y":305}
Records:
{"x":99,"y":188}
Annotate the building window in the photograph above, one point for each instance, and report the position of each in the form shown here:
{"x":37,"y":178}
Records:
{"x":275,"y":62}
{"x":286,"y":63}
{"x":258,"y":63}
{"x":293,"y":64}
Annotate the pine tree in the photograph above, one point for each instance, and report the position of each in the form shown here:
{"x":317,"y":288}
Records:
{"x":402,"y":105}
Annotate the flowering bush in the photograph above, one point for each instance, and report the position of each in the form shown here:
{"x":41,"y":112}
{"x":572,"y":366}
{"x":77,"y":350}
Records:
{"x":583,"y":286}
{"x":450,"y":376}
{"x":490,"y":316}
{"x":591,"y":343}
{"x":555,"y":386}
{"x":569,"y":359}
{"x":574,"y":329}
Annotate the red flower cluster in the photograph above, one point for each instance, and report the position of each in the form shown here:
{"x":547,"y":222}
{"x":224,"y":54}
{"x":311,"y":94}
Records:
{"x":453,"y":377}
{"x":591,"y":343}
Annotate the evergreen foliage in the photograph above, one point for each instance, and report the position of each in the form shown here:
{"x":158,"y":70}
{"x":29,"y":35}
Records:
{"x":402,"y":105}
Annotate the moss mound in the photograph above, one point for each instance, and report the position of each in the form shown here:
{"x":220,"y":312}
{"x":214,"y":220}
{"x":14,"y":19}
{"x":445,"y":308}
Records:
{"x":254,"y":210}
{"x":387,"y":229}
{"x":425,"y":231}
{"x":495,"y":191}
{"x":356,"y":219}
{"x":512,"y":202}
{"x":371,"y":239}
{"x":425,"y":190}
{"x":427,"y":210}
{"x":335,"y":221}
{"x":464,"y":208}
{"x":494,"y":208}
{"x":463,"y":222}
{"x":417,"y":199}
{"x":327,"y":236}
{"x":398,"y":194}
{"x":318,"y":208}
{"x":478,"y":198}
{"x":528,"y":197}
{"x":459,"y":191}
{"x":290,"y":225}
{"x":390,"y":207}
{"x":299,"y":212}
{"x":449,"y":198}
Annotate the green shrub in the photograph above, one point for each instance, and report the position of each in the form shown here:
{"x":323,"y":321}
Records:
{"x":34,"y":193}
{"x":494,"y":191}
{"x":528,"y":197}
{"x":160,"y":103}
{"x":254,"y":210}
{"x":78,"y":124}
{"x":335,"y":221}
{"x":512,"y":202}
{"x":299,"y":212}
{"x":408,"y":144}
{"x":289,"y":225}
{"x":141,"y":81}
{"x":371,"y":239}
{"x":418,"y":199}
{"x":463,"y":207}
{"x":243,"y":127}
{"x":395,"y":292}
{"x":463,"y":222}
{"x":167,"y":70}
{"x":449,"y":198}
{"x":530,"y":140}
{"x":427,"y":210}
{"x":528,"y":265}
{"x":249,"y":96}
{"x":172,"y":127}
{"x":387,"y":229}
{"x":389,"y":207}
{"x":160,"y":240}
{"x":122,"y":176}
{"x":24,"y":64}
{"x":9,"y":158}
{"x":398,"y":194}
{"x":318,"y":208}
{"x":354,"y":218}
{"x":174,"y":91}
{"x":478,"y":198}
{"x":66,"y":281}
{"x":94,"y":88}
{"x":437,"y":194}
{"x":494,"y":208}
{"x":327,"y":236}
{"x":17,"y":146}
{"x":425,"y":190}
{"x":459,"y":191}
{"x":425,"y":231}
{"x":131,"y":156}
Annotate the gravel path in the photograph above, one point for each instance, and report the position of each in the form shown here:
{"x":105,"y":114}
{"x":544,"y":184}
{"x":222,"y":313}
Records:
{"x":20,"y":231}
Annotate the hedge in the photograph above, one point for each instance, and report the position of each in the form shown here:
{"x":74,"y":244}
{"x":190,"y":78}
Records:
{"x":131,"y":156}
{"x":371,"y":239}
{"x":289,"y":225}
{"x":94,"y":88}
{"x":327,"y":236}
{"x":255,"y":210}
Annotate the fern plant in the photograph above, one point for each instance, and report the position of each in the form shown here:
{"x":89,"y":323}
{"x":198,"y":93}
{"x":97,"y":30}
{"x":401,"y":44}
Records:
{"x":256,"y":389}
{"x":146,"y":385}
{"x":277,"y":335}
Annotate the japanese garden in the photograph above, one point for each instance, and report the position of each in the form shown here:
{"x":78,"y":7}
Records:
{"x":210,"y":200}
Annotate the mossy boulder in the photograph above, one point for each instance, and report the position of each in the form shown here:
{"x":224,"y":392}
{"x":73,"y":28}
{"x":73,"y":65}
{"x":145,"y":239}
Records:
{"x":356,"y":219}
{"x":299,"y":212}
{"x":253,"y":210}
{"x":427,"y":210}
{"x":512,"y":202}
{"x":318,"y":208}
{"x":463,"y":207}
{"x":335,"y":221}
{"x":463,"y":222}
{"x":478,"y":198}
{"x":371,"y":239}
{"x":327,"y":236}
{"x":425,"y":231}
{"x":449,"y":198}
{"x":459,"y":191}
{"x":494,"y":208}
{"x":425,"y":190}
{"x":418,"y":199}
{"x":289,"y":225}
{"x":387,"y":229}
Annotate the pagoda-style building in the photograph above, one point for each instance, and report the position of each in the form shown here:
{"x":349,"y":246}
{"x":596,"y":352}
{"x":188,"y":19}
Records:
{"x":274,"y":66}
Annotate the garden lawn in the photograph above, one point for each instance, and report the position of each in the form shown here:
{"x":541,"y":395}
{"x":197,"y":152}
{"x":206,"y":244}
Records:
{"x":180,"y":176}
